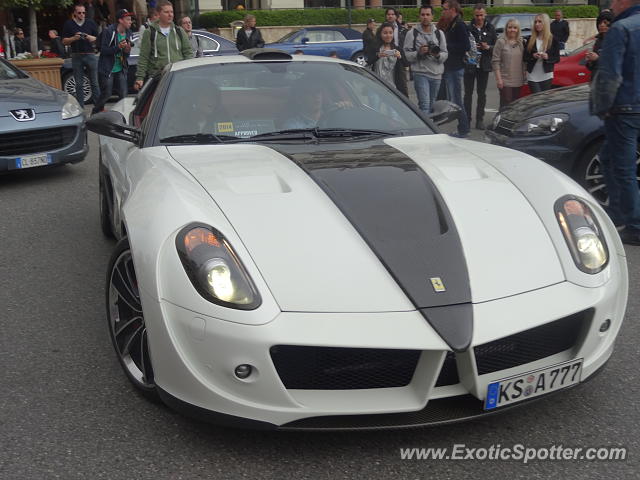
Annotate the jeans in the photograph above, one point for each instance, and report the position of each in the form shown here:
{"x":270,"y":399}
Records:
{"x":79,"y":61}
{"x":470,"y":77}
{"x":426,"y":90}
{"x":106,"y":88}
{"x":618,"y":159}
{"x":453,"y":83}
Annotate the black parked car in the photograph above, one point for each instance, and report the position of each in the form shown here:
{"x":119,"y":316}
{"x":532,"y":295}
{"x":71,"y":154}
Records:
{"x":211,"y":44}
{"x":556,"y":127}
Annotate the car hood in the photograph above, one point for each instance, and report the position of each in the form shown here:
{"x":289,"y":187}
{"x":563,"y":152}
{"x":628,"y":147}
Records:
{"x":316,"y":254}
{"x":29,"y":93}
{"x":550,"y":101}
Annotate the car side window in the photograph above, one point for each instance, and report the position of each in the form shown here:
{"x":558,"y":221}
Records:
{"x":322,"y":36}
{"x":143,"y":102}
{"x":525,"y":22}
{"x":207,"y":44}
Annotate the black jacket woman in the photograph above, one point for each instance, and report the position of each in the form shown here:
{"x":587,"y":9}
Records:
{"x":602,"y":23}
{"x":541,"y":53}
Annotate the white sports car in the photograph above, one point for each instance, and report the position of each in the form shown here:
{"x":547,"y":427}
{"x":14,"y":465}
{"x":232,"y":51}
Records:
{"x":298,"y":248}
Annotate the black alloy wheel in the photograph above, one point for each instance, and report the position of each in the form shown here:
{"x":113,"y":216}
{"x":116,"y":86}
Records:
{"x":127,"y":327}
{"x":588,"y":173}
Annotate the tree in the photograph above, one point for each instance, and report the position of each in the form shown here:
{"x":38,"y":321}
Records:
{"x":34,"y":6}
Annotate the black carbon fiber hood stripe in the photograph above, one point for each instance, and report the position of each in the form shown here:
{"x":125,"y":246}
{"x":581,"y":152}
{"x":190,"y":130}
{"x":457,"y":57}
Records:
{"x":400,"y":214}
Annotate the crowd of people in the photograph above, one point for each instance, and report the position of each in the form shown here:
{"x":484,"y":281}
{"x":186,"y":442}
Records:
{"x":450,"y":59}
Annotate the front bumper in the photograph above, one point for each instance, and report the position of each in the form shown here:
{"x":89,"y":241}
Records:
{"x":194,"y":357}
{"x":64,"y":141}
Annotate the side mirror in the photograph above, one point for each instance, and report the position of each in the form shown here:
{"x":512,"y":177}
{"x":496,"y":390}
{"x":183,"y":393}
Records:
{"x":305,"y":40}
{"x":444,"y":112}
{"x":113,"y":124}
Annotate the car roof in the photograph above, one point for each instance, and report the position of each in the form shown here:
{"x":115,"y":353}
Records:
{"x":197,"y":62}
{"x":349,"y":33}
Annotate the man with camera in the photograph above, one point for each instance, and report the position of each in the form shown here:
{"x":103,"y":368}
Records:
{"x":425,"y":48}
{"x":81,"y":33}
{"x":114,"y":54}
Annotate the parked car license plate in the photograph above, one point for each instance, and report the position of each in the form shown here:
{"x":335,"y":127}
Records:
{"x":33,"y":161}
{"x":532,"y":384}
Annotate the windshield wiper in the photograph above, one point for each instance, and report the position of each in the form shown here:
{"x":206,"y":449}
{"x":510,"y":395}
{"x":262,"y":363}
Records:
{"x":199,"y":138}
{"x":317,"y":132}
{"x":289,"y":134}
{"x":350,"y":132}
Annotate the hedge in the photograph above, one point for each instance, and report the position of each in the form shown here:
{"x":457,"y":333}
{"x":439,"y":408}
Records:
{"x":339,"y":16}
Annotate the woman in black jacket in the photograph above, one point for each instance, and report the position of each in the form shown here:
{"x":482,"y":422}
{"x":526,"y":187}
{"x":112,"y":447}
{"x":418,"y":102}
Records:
{"x":602,"y":23}
{"x":249,"y":36}
{"x":384,"y":56}
{"x":541,"y":54}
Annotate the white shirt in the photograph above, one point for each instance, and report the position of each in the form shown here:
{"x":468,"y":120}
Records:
{"x":165,"y":30}
{"x":538,"y":74}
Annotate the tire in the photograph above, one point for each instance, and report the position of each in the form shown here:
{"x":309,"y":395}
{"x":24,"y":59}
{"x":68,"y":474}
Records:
{"x":69,"y":86}
{"x":125,"y":319}
{"x":588,"y":172}
{"x":105,"y":205}
{"x":359,"y":58}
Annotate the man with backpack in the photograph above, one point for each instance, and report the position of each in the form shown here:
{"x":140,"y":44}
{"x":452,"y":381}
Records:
{"x":115,"y":46}
{"x":162,"y":43}
{"x":484,"y":37}
{"x":425,"y":48}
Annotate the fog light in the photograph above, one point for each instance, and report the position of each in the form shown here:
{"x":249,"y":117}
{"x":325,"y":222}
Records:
{"x":605,"y":325}
{"x":243,"y":371}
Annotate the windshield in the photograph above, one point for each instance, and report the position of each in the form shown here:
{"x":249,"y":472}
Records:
{"x":245,"y":100}
{"x":288,"y":37}
{"x":8,"y":72}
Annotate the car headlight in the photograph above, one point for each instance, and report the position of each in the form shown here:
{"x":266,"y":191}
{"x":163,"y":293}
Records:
{"x":72,"y":108}
{"x":582,"y":233}
{"x":543,"y":125}
{"x":496,"y":121}
{"x":214,"y":268}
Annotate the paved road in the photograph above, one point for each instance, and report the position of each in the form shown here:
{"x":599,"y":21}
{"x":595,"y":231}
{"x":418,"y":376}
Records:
{"x":66,"y":410}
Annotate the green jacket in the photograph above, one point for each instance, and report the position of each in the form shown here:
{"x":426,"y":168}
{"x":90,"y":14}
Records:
{"x":156,"y":50}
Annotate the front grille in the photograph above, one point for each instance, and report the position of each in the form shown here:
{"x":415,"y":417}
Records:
{"x":505,"y":127}
{"x":332,"y":368}
{"x":24,"y":142}
{"x":531,"y":345}
{"x":449,"y":372}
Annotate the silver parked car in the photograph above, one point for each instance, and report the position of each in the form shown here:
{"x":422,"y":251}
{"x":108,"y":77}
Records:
{"x":39,"y":125}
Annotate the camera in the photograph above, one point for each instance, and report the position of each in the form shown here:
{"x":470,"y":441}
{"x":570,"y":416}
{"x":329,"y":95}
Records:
{"x":83,"y":35}
{"x":434,"y":48}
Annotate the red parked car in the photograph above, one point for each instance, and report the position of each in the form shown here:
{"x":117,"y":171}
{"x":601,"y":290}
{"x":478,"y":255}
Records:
{"x":572,"y":69}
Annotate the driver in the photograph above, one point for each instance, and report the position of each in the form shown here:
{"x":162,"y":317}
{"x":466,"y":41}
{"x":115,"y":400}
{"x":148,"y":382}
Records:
{"x":313,"y":103}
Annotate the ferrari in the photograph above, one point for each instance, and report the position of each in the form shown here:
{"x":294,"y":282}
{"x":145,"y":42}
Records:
{"x":298,"y":247}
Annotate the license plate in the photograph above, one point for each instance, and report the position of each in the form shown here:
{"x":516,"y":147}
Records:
{"x":532,"y":384}
{"x":33,"y":161}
